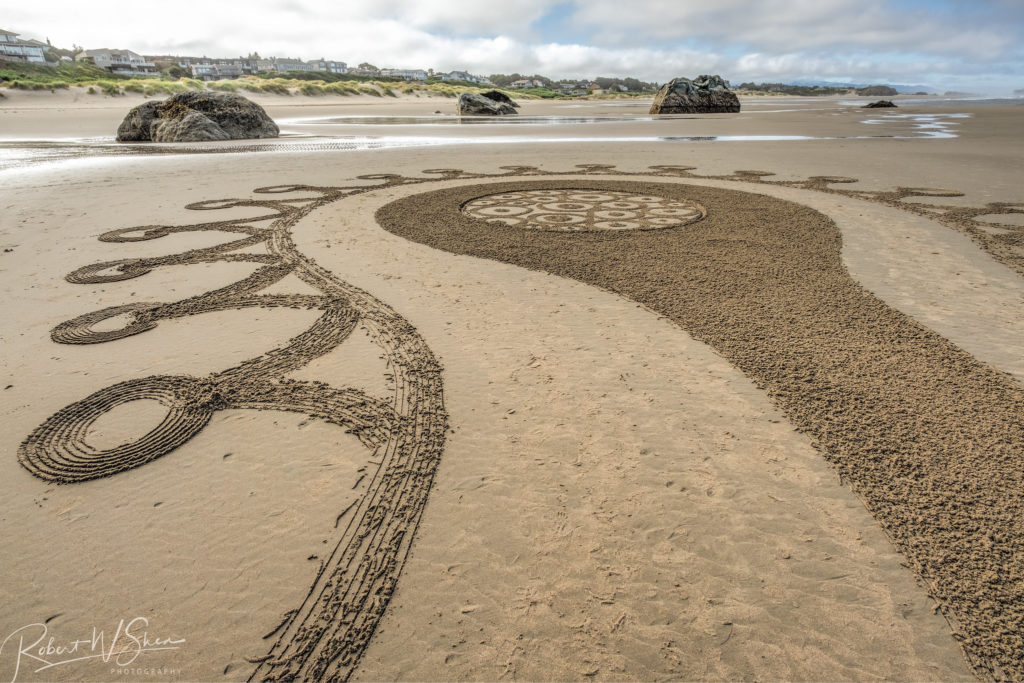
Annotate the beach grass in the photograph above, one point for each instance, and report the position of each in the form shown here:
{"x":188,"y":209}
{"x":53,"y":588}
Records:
{"x":24,"y":76}
{"x":312,"y":90}
{"x":27,"y":72}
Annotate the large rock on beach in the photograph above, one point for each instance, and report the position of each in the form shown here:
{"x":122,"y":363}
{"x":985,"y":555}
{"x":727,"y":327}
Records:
{"x":135,"y":126}
{"x":197,"y":117}
{"x":471,"y":104}
{"x":499,"y":96}
{"x":190,"y":127}
{"x":880,"y":104}
{"x":703,"y":95}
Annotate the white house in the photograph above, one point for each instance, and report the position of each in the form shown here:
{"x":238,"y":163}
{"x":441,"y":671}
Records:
{"x":208,"y":69}
{"x":329,"y":66}
{"x":573,"y":88}
{"x":523,"y":83}
{"x":292,"y":65}
{"x":123,"y":62}
{"x":15,"y":49}
{"x":460,"y":76}
{"x":212,"y":70}
{"x":405,"y":74}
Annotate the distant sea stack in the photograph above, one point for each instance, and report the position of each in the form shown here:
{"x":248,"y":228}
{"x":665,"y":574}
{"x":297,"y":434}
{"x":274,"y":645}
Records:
{"x":878,"y":91}
{"x":703,"y":95}
{"x":491,"y":103}
{"x":197,"y":117}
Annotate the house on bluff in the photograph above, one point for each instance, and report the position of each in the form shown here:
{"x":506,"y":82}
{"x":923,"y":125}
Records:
{"x":121,"y":62}
{"x":15,"y":49}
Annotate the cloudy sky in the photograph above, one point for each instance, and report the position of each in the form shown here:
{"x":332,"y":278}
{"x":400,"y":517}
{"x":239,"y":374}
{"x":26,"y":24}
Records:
{"x":976,"y":45}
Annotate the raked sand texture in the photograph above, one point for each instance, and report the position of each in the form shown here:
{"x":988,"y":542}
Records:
{"x":232,"y":422}
{"x":929,"y":437}
{"x":323,"y":636}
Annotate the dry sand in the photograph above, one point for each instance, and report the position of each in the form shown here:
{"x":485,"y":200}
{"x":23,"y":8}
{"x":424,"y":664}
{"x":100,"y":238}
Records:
{"x":615,"y":499}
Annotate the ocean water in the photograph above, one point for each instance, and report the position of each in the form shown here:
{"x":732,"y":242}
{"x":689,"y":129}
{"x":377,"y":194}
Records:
{"x":345,"y":133}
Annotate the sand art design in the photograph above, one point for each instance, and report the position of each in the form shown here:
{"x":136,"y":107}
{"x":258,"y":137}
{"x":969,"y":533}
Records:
{"x":323,"y":637}
{"x":573,"y":210}
{"x":1004,"y":241}
{"x":930,"y":438}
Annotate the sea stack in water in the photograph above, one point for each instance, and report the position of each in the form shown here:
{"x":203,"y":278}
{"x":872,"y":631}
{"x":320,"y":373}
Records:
{"x":703,"y":95}
{"x":491,"y":103}
{"x":197,"y":117}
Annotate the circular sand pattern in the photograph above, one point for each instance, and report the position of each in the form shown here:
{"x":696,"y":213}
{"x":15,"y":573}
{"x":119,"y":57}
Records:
{"x":81,"y":330}
{"x":929,"y":437}
{"x":573,"y":210}
{"x":59,"y":448}
{"x":323,"y":637}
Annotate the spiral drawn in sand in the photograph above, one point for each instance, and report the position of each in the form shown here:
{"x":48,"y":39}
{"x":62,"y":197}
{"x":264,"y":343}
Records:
{"x":975,"y":576}
{"x":324,"y":636}
{"x":575,"y":210}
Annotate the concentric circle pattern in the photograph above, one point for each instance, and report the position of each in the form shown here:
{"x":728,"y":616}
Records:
{"x":577,"y":210}
{"x":58,"y":450}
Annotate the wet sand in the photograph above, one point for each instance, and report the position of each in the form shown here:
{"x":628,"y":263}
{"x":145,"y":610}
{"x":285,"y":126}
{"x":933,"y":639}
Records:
{"x":622,"y":492}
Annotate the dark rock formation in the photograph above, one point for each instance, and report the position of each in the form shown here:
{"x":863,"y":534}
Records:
{"x":878,"y":91}
{"x":190,"y":127}
{"x":499,"y":96}
{"x":470,"y":104}
{"x":879,"y":104}
{"x":703,"y":95}
{"x":197,"y":117}
{"x":135,"y":126}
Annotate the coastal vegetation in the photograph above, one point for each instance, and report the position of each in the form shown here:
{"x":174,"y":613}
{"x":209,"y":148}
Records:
{"x":877,"y":91}
{"x":629,"y":86}
{"x":787,"y":89}
{"x":26,"y":76}
{"x":29,"y":76}
{"x":172,"y":80}
{"x":63,"y":72}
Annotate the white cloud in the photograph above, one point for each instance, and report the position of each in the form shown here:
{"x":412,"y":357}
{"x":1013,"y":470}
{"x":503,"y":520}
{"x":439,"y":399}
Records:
{"x":463,"y":17}
{"x":649,"y":39}
{"x":804,"y":25}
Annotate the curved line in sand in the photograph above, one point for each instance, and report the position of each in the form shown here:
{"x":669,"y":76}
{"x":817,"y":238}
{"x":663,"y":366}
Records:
{"x":931,"y":439}
{"x":326,"y":635}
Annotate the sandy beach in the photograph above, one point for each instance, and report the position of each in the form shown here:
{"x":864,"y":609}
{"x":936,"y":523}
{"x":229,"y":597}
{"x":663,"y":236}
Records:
{"x":340,"y":405}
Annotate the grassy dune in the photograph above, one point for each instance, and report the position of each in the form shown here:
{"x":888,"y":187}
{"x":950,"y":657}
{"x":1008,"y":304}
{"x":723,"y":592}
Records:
{"x":24,"y":76}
